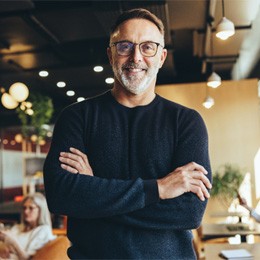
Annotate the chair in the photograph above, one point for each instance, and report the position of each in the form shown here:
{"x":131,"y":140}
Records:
{"x":54,"y":250}
{"x":198,"y":243}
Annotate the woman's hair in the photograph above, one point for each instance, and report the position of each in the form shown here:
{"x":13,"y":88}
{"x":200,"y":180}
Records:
{"x":138,"y":13}
{"x":40,"y":201}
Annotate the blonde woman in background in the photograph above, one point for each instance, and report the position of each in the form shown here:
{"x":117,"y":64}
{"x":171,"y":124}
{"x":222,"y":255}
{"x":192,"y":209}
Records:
{"x":35,"y":230}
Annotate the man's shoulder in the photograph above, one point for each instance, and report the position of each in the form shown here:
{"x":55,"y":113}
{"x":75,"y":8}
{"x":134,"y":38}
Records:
{"x":98,"y":99}
{"x":175,"y":106}
{"x":180,"y":111}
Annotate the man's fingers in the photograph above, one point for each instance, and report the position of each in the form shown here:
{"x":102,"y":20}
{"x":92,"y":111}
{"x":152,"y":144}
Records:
{"x":82,"y":155}
{"x":192,"y":166}
{"x":196,"y":190}
{"x":68,"y":168}
{"x":198,"y":187}
{"x":71,"y":156}
{"x":75,"y":162}
{"x":200,"y":176}
{"x":72,"y":163}
{"x":72,"y":160}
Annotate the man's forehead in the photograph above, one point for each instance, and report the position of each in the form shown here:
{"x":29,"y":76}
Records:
{"x":130,"y":29}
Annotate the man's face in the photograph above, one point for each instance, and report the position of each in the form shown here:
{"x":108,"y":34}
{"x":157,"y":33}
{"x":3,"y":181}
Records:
{"x":135,"y":72}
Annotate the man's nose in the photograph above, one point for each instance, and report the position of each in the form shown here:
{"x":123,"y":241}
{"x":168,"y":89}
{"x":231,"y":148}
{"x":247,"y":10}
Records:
{"x":136,"y":55}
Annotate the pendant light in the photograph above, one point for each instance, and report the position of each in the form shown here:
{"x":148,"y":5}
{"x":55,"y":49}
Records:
{"x":18,"y":92}
{"x":208,"y":101}
{"x":225,"y":28}
{"x":214,"y":80}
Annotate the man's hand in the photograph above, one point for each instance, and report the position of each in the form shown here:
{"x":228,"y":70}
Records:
{"x":75,"y":162}
{"x":188,"y":178}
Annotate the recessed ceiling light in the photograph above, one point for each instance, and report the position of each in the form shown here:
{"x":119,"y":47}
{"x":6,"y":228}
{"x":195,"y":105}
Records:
{"x":70,"y":93}
{"x":109,"y":80}
{"x":61,"y":84}
{"x":80,"y":99}
{"x":43,"y":73}
{"x":98,"y":68}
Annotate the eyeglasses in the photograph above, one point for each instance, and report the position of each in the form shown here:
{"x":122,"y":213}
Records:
{"x":31,"y":208}
{"x":147,"y":49}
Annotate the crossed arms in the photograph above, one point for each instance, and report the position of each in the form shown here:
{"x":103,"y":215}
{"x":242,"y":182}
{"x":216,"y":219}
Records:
{"x":178,"y":199}
{"x":188,"y":178}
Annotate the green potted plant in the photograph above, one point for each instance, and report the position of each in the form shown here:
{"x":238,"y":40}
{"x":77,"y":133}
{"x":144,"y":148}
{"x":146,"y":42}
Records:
{"x":226,"y":182}
{"x":33,"y":113}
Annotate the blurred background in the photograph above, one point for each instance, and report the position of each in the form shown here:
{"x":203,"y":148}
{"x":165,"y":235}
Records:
{"x":53,"y":54}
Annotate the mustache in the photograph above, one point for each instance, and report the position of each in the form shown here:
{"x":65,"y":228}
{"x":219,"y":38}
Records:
{"x":132,"y":65}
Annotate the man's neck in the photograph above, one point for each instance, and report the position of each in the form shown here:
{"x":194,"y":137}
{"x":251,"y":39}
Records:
{"x":129,"y":99}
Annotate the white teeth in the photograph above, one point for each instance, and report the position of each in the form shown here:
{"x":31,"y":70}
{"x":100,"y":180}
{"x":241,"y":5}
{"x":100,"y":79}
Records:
{"x":135,"y":70}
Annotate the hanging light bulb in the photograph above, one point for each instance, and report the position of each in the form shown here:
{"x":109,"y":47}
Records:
{"x":208,"y":102}
{"x":225,"y":29}
{"x":8,"y":101}
{"x":18,"y":138}
{"x":19,"y":91}
{"x":214,"y":80}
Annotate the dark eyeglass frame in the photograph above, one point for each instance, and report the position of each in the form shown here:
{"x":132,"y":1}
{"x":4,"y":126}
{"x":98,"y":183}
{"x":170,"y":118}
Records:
{"x":133,"y":45}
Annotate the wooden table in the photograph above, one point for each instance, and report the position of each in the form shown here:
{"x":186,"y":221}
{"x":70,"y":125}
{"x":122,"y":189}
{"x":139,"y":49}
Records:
{"x":212,"y":250}
{"x":210,"y":231}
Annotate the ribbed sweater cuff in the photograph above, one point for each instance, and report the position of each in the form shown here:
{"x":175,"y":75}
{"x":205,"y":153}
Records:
{"x":151,"y":191}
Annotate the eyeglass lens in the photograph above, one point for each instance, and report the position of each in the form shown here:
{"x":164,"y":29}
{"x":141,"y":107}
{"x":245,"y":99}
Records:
{"x":30,"y":208}
{"x":147,"y":49}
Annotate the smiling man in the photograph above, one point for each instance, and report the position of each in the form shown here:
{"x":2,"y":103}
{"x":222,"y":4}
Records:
{"x":129,"y":168}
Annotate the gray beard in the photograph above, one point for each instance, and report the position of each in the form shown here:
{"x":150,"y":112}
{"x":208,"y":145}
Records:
{"x":134,"y":84}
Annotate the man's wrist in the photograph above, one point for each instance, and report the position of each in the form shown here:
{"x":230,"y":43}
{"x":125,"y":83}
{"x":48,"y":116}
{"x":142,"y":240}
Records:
{"x":160,"y":189}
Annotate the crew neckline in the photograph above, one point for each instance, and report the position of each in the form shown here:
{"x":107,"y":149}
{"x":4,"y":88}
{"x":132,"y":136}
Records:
{"x":151,"y":104}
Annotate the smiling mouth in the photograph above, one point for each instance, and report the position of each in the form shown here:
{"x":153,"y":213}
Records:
{"x":134,"y":70}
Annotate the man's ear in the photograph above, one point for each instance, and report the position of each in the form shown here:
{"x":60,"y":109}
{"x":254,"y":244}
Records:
{"x":109,"y":54}
{"x":163,"y":57}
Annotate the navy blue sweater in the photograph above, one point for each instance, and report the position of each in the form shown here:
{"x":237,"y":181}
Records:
{"x":117,"y":214}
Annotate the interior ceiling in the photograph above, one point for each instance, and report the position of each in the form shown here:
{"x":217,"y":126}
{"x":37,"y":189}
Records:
{"x":68,"y":38}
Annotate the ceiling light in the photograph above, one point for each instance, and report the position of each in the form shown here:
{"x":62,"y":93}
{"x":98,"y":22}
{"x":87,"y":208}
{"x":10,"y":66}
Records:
{"x":109,"y":80}
{"x":80,"y":99}
{"x":214,"y":80}
{"x":18,"y":138}
{"x":29,"y":112}
{"x":70,"y":93}
{"x":42,"y":142}
{"x":43,"y":73}
{"x":225,"y":29}
{"x":98,"y":68}
{"x":8,"y":101}
{"x":34,"y":138}
{"x":61,"y":84}
{"x":49,"y":134}
{"x":208,"y":102}
{"x":19,"y":91}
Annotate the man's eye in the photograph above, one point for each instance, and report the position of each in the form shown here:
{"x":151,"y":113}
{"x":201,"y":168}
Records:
{"x":124,"y":46}
{"x":148,"y":46}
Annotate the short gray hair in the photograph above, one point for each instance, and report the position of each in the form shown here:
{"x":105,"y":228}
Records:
{"x":138,"y":13}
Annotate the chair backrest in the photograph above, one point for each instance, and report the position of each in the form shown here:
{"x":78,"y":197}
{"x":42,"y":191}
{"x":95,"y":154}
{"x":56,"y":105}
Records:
{"x":54,"y":250}
{"x":197,"y":243}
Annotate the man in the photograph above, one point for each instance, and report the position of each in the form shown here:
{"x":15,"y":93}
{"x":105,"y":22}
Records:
{"x":134,"y":170}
